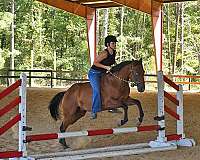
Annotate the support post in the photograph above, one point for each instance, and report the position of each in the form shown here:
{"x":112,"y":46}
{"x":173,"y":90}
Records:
{"x":91,"y":33}
{"x":179,"y":97}
{"x":22,"y":111}
{"x":186,"y":142}
{"x":161,"y":111}
{"x":157,"y":20}
{"x":161,"y":140}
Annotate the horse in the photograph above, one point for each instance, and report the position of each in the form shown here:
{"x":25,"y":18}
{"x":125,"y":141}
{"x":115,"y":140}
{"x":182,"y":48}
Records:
{"x":73,"y":103}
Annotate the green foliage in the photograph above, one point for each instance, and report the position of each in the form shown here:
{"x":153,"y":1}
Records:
{"x":4,"y":54}
{"x":187,"y":61}
{"x":47,"y":32}
{"x":5,"y":21}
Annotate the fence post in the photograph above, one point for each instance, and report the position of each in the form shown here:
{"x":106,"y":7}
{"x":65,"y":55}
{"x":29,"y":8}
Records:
{"x":189,"y":84}
{"x":22,"y":111}
{"x":179,"y":97}
{"x":7,"y":79}
{"x":29,"y":73}
{"x":51,"y":79}
{"x":161,"y":133}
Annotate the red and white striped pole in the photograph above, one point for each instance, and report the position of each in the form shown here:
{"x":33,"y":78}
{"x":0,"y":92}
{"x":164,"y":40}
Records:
{"x":22,"y":112}
{"x":41,"y":137}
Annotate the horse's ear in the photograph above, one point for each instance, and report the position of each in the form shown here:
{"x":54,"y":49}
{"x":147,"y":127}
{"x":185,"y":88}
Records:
{"x":140,"y":60}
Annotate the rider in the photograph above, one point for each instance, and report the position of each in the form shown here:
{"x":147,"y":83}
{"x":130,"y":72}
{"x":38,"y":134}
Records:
{"x":101,"y":64}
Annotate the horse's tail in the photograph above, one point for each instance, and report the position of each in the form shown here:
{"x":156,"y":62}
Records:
{"x":54,"y":105}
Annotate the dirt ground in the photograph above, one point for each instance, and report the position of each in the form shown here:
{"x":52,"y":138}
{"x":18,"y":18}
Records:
{"x":38,"y":117}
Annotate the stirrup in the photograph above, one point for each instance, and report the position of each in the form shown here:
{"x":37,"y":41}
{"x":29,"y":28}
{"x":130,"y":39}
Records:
{"x":114,"y":110}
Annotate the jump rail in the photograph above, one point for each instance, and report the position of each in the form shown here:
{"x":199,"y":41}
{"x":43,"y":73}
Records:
{"x":40,"y":137}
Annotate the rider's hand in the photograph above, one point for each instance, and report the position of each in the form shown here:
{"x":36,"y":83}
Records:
{"x":107,"y":68}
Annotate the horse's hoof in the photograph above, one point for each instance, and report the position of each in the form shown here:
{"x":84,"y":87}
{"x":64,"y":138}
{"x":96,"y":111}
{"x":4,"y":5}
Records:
{"x":122,"y":122}
{"x":119,"y":123}
{"x":140,"y":119}
{"x":138,"y":124}
{"x":66,"y":147}
{"x":62,"y":141}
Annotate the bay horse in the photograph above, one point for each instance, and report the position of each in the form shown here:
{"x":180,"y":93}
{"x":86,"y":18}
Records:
{"x":77,"y":100}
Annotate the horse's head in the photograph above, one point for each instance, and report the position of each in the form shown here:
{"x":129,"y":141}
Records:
{"x":137,"y":74}
{"x":130,"y":71}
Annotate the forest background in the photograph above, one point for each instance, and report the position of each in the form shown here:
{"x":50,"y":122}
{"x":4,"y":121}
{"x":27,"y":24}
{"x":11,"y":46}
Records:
{"x":36,"y":36}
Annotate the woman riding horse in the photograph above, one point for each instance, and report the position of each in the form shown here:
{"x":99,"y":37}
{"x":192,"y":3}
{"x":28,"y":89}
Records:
{"x":115,"y":90}
{"x":101,"y":64}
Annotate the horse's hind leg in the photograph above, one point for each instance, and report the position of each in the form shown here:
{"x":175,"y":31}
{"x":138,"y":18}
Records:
{"x":123,"y":121}
{"x":70,"y":120}
{"x":62,"y":140}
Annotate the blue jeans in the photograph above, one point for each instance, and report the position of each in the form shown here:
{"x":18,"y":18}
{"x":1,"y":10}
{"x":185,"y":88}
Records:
{"x":95,"y":81}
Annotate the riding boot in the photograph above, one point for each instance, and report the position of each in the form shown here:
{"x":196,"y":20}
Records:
{"x":93,"y":115}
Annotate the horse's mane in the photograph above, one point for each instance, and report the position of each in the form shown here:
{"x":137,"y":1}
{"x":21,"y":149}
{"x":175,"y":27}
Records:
{"x":121,"y":65}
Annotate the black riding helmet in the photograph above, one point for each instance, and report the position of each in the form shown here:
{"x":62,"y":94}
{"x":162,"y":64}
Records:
{"x":109,"y":39}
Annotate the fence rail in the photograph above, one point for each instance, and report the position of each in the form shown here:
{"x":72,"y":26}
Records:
{"x":62,"y":76}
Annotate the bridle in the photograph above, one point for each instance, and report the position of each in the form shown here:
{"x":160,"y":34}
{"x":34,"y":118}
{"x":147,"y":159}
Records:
{"x":133,"y":83}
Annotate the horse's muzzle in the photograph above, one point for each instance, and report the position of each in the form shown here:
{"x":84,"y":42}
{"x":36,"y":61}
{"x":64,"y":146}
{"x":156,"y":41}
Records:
{"x":140,"y":87}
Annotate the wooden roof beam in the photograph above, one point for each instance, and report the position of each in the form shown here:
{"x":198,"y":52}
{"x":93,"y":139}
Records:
{"x":141,"y":5}
{"x":173,"y":1}
{"x":176,"y":1}
{"x":71,"y":7}
{"x":83,"y":1}
{"x":86,"y":1}
{"x":103,"y":5}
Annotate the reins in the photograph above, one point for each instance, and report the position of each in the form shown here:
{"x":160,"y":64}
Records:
{"x":121,"y":79}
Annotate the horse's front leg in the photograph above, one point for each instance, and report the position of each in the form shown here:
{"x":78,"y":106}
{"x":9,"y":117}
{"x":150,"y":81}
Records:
{"x":123,"y":121}
{"x":131,"y":101}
